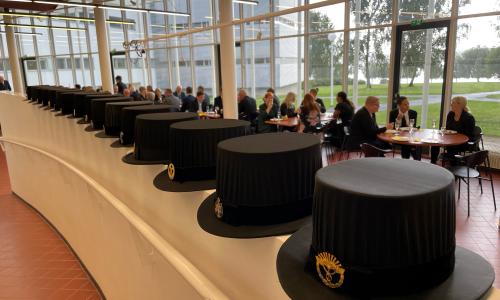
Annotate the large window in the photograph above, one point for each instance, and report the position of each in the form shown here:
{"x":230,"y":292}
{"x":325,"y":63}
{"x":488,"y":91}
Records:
{"x":477,"y":70}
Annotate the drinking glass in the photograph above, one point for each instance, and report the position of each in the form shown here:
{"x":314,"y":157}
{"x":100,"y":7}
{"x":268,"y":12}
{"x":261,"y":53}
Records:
{"x":412,"y":123}
{"x":397,"y":125}
{"x":216,"y":109}
{"x":442,"y":131}
{"x":434,"y":124}
{"x":279,"y":115}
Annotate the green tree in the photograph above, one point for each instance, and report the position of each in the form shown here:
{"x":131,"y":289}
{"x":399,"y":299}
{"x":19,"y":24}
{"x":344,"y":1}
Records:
{"x":493,"y":63}
{"x":320,"y":48}
{"x":473,"y":63}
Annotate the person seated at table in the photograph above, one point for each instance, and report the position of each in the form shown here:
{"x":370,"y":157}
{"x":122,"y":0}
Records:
{"x":310,"y":114}
{"x":314,"y":93}
{"x":342,"y":117}
{"x":288,"y":106}
{"x":247,"y":107}
{"x":199,"y":105}
{"x":78,"y":87}
{"x":206,"y":99}
{"x":170,"y":99}
{"x":150,"y":88}
{"x":150,"y":96}
{"x":188,"y":99}
{"x":460,"y":120}
{"x":126,"y":93}
{"x":133,"y":92}
{"x":142,"y":94}
{"x":179,"y":93}
{"x":115,"y":89}
{"x":158,"y":96}
{"x":364,"y":127}
{"x":276,"y":99}
{"x":267,"y":111}
{"x":404,"y":114}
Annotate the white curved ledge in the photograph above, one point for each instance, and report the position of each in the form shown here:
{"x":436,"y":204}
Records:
{"x":189,"y":272}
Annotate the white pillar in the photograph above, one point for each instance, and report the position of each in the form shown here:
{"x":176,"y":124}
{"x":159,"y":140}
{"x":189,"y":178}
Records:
{"x":16,"y":80}
{"x":228,"y":68}
{"x":103,"y":48}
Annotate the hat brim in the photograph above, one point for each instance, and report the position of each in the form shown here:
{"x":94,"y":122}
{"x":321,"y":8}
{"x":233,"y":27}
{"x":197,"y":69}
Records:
{"x":163,"y":183}
{"x":209,"y":222}
{"x":131,"y":160}
{"x":472,"y":277}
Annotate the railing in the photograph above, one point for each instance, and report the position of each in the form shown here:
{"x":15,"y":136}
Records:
{"x":205,"y":288}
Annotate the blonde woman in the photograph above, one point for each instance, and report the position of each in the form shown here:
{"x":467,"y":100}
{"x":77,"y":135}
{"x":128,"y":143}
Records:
{"x":288,"y":106}
{"x":460,"y":120}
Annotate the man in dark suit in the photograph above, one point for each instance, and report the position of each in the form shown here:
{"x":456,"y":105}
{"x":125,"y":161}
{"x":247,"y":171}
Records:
{"x":364,"y":127}
{"x":188,"y":99}
{"x":4,"y":84}
{"x":199,"y":104}
{"x":276,"y":99}
{"x":404,"y":114}
{"x":247,"y":107}
{"x":314,"y":93}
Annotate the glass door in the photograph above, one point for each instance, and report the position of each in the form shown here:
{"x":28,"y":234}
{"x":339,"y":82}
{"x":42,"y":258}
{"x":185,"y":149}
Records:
{"x":420,"y":68}
{"x":119,"y":65}
{"x":30,"y":71}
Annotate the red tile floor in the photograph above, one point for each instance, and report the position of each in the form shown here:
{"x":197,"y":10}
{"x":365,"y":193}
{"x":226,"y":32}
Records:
{"x":479,"y":232}
{"x":35,"y":263}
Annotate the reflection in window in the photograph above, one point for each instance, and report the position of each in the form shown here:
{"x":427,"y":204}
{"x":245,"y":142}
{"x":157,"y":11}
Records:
{"x":370,"y":12}
{"x":423,"y":9}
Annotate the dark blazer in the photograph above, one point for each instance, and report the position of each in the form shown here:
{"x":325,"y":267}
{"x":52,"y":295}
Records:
{"x":411,"y":115}
{"x":194,"y":106}
{"x":247,"y":109}
{"x":187,"y":102}
{"x":321,"y":105}
{"x":364,"y":128}
{"x":218,"y":102}
{"x":288,"y":111}
{"x":265,"y":116}
{"x":464,"y":125}
{"x":5,"y":86}
{"x":276,"y":100}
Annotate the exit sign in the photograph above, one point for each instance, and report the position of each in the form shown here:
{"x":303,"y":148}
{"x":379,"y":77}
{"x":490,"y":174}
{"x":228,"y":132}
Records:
{"x":417,"y":22}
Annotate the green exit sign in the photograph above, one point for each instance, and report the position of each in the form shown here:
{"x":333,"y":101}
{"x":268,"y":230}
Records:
{"x":417,"y":22}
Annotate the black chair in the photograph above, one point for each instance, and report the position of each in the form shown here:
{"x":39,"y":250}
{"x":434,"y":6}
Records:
{"x":347,"y":144}
{"x":473,"y":145}
{"x":371,"y":151}
{"x":469,"y":167}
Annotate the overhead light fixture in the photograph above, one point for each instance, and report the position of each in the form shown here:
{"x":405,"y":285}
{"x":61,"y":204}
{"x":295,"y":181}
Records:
{"x":139,"y":10}
{"x":65,"y":3}
{"x":63,"y":18}
{"x":41,"y":27}
{"x":251,"y":2}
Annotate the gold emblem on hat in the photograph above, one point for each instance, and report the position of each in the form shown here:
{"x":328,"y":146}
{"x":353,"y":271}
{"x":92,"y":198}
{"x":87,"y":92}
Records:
{"x":171,"y":171}
{"x":330,"y":270}
{"x":219,"y":209}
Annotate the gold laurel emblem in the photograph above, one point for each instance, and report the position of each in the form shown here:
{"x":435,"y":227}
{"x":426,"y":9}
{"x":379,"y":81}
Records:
{"x":330,"y":270}
{"x":219,"y":209}
{"x":171,"y":171}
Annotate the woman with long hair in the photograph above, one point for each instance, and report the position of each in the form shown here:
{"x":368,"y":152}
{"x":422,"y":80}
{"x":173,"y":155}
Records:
{"x":288,"y":106}
{"x":344,"y":110}
{"x":310,"y":114}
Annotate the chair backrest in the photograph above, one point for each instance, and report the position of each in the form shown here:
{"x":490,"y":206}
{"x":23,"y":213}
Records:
{"x":476,"y":159}
{"x":371,"y":151}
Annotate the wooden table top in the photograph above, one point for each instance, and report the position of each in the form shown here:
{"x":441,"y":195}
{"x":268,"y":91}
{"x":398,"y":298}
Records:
{"x":425,"y":137}
{"x":294,"y":121}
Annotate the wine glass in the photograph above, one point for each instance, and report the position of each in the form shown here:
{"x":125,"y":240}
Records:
{"x":412,"y":123}
{"x":433,"y":124}
{"x":397,"y":125}
{"x":216,"y":109}
{"x":279,"y":115}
